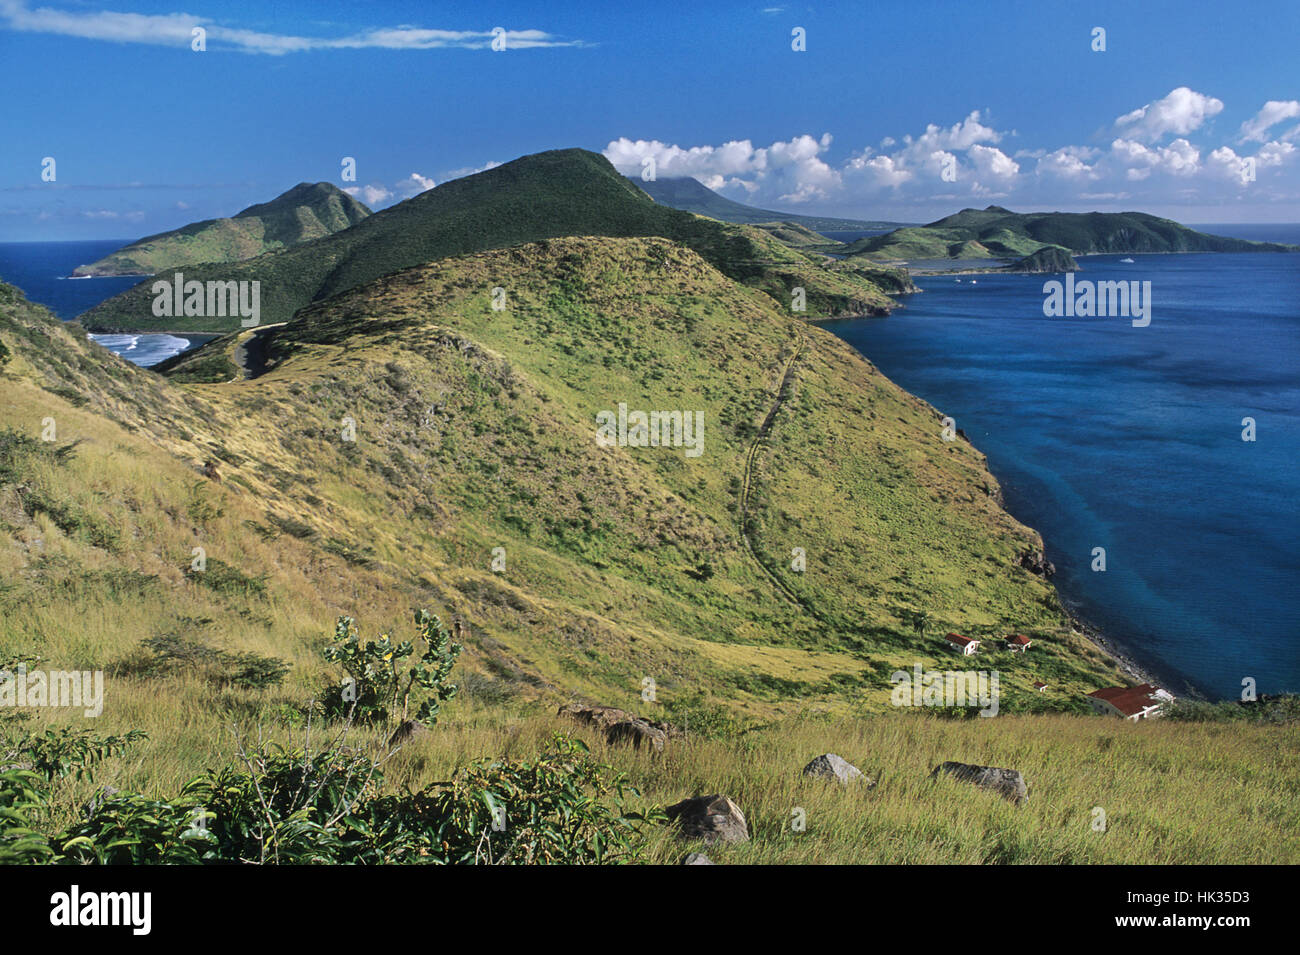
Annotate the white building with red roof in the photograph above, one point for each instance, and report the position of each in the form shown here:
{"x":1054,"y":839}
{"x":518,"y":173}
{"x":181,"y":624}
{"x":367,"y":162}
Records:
{"x":1131,"y":702}
{"x":963,"y":645}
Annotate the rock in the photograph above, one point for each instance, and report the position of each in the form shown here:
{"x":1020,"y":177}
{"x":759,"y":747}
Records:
{"x":830,"y":766}
{"x":407,"y":730}
{"x":698,"y":858}
{"x":637,"y":732}
{"x":1036,"y":562}
{"x":1007,"y":783}
{"x":603,"y":717}
{"x":711,"y":818}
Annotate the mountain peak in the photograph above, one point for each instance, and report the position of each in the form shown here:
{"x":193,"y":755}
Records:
{"x":310,"y":194}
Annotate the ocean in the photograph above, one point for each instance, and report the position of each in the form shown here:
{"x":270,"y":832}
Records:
{"x":1130,"y":439}
{"x":1102,"y":434}
{"x":40,"y":269}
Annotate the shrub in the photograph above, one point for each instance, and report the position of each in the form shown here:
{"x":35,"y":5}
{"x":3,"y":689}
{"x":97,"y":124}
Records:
{"x":170,"y":653}
{"x":377,"y":687}
{"x":225,"y":579}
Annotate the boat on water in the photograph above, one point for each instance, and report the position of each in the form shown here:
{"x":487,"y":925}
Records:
{"x":1129,"y":261}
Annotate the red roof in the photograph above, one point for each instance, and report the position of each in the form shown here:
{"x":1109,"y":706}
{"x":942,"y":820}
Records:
{"x":1019,"y":640}
{"x":1128,"y":699}
{"x":1040,"y":686}
{"x":958,"y":639}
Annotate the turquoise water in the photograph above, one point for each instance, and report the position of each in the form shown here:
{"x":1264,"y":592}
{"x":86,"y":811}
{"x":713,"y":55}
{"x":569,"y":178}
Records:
{"x":1130,"y":439}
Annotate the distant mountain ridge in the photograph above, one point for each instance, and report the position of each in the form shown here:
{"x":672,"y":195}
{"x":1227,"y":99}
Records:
{"x":995,"y":232}
{"x":564,"y":192}
{"x":691,"y":195}
{"x":305,"y":212}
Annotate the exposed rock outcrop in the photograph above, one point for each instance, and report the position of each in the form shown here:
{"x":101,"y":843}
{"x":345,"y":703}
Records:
{"x":711,"y":818}
{"x":1036,"y":562}
{"x":605,"y":718}
{"x":1051,"y":259}
{"x":1007,"y":783}
{"x":830,"y":766}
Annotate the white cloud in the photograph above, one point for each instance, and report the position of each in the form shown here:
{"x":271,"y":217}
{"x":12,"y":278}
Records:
{"x":992,"y":163}
{"x":415,"y":184}
{"x":1146,"y":165}
{"x":370,"y":195}
{"x":1179,"y":158}
{"x":174,"y":29}
{"x":1272,"y":113}
{"x":1069,"y":163}
{"x":1180,"y":112}
{"x":793,"y":171}
{"x":1275,"y":154}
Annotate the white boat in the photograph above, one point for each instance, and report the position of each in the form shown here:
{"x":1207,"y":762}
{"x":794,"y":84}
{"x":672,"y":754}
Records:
{"x":1129,"y":261}
{"x":974,"y":282}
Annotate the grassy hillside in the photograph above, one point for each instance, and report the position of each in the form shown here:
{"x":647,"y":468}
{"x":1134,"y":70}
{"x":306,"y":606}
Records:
{"x":691,"y":195}
{"x":999,"y":233}
{"x":552,"y":194}
{"x":305,"y":212}
{"x":475,"y":430}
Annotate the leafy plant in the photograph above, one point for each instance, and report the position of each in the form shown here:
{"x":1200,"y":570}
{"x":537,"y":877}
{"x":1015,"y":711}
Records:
{"x":379,"y":686}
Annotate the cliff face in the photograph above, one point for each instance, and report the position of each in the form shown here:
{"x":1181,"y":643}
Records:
{"x":1051,"y":259}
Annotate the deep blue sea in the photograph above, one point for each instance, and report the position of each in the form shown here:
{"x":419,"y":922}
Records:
{"x":1102,"y":434}
{"x":40,"y":269}
{"x":1107,"y":435}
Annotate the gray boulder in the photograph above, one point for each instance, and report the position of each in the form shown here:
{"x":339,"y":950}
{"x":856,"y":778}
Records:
{"x":711,"y":818}
{"x":1007,"y":783}
{"x":830,"y":766}
{"x":698,"y":858}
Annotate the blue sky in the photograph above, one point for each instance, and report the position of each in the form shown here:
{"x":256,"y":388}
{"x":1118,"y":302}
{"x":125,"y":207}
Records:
{"x":1187,"y":102}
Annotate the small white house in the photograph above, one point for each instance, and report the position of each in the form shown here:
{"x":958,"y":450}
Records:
{"x":1018,"y":643}
{"x":963,"y":645}
{"x":1133,"y":703}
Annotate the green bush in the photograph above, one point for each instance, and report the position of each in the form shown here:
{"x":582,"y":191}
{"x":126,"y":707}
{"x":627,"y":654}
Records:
{"x":379,"y":686}
{"x":293,"y":807}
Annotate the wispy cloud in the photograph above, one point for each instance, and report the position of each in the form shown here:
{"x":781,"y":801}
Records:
{"x":176,"y":30}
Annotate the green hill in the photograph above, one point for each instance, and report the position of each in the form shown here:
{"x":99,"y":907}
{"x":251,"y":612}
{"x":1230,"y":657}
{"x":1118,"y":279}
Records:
{"x":691,"y":195}
{"x":307,"y":211}
{"x":995,"y":232}
{"x":1048,"y":259}
{"x":547,"y":195}
{"x":474,"y":431}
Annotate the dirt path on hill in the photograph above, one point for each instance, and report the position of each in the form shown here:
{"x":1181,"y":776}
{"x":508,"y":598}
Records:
{"x":751,"y":463}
